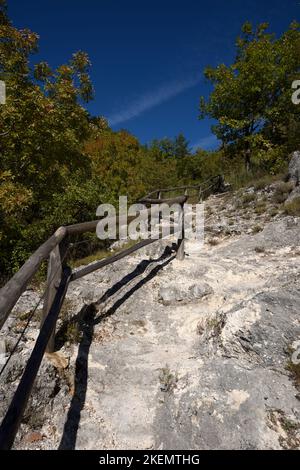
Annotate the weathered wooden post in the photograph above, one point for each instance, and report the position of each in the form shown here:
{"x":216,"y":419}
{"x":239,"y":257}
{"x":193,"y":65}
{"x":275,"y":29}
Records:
{"x":159,"y":213}
{"x":220,"y":183}
{"x":200,"y":195}
{"x":180,"y":243}
{"x":54,"y":275}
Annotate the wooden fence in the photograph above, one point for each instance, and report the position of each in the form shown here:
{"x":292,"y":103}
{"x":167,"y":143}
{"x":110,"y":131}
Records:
{"x":59,"y":275}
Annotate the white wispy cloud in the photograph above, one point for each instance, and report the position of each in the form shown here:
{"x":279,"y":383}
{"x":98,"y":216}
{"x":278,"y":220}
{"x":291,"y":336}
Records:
{"x":206,"y":143}
{"x":151,"y":99}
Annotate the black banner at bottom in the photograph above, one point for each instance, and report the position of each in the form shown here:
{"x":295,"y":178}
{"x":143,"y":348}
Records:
{"x":135,"y":459}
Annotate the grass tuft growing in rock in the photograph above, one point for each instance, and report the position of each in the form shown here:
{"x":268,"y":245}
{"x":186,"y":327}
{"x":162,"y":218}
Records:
{"x":260,"y":208}
{"x":273,"y":211}
{"x":293,"y":207}
{"x":265,"y":181}
{"x":212,"y":325}
{"x":288,"y":429}
{"x":168,"y":379}
{"x":247,"y":198}
{"x":73,"y":334}
{"x":294,"y":370}
{"x":257,"y":229}
{"x":282,"y":191}
{"x":259,"y":211}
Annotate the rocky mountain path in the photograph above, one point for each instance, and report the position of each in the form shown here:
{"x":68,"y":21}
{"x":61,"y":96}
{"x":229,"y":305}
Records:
{"x":192,"y":354}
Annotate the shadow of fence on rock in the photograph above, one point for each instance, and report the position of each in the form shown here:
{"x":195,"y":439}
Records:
{"x":87,"y":322}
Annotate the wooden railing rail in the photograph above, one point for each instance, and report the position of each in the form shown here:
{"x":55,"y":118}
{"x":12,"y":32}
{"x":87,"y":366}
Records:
{"x":216,"y":180}
{"x":10,"y":293}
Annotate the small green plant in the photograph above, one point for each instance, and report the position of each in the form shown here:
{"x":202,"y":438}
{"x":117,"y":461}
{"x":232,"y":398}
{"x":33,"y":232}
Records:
{"x":265,"y":181}
{"x":273,"y":211}
{"x":211,"y":323}
{"x":247,"y":198}
{"x":240,"y":178}
{"x":261,"y":202}
{"x":66,"y":309}
{"x":24,"y":316}
{"x":293,"y":207}
{"x":70,"y":328}
{"x":214,"y":325}
{"x":73,"y":334}
{"x":98,"y":255}
{"x":294,"y":370}
{"x":168,"y":379}
{"x":256,"y":229}
{"x":282,"y":191}
{"x":260,"y":208}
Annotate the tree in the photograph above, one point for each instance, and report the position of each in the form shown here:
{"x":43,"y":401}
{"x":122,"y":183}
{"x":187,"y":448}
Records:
{"x":253,"y":95}
{"x":117,"y":159}
{"x":182,"y":154}
{"x":43,"y":127}
{"x":163,"y":148}
{"x":181,"y":147}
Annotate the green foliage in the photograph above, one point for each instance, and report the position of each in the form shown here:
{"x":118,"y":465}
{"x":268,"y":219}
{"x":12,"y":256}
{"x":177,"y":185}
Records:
{"x":168,"y":379}
{"x":247,"y":198}
{"x":43,"y":168}
{"x":282,"y":191}
{"x":58,"y":163}
{"x":260,"y":207}
{"x":264,"y":181}
{"x":116,"y":159}
{"x":181,"y":147}
{"x":257,"y":229}
{"x":251,"y":99}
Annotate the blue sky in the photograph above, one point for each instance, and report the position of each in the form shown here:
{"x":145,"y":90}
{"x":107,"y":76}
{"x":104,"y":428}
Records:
{"x":148,"y":56}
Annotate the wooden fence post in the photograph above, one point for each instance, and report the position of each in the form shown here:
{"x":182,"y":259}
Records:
{"x":220,"y":183}
{"x":54,"y":275}
{"x":159,"y":214}
{"x":180,"y":243}
{"x":200,"y":195}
